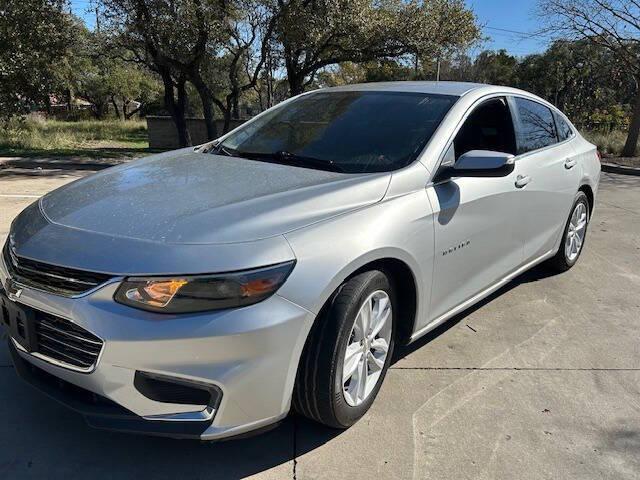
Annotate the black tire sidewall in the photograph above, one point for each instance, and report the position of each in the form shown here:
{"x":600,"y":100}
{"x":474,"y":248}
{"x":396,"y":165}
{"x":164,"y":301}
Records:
{"x":372,"y":281}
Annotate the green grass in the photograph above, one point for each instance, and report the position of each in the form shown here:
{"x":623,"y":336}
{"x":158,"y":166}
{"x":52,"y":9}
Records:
{"x":89,"y":138}
{"x":609,"y":143}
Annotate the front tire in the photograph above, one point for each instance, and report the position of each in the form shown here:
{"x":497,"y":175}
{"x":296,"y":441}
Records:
{"x":574,"y":236}
{"x":348,"y":352}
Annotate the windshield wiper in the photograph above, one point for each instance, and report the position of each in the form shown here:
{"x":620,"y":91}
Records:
{"x":288,"y":158}
{"x":219,"y":149}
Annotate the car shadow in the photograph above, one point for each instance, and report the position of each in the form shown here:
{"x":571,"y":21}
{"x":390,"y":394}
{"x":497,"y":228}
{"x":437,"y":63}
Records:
{"x":539,"y":272}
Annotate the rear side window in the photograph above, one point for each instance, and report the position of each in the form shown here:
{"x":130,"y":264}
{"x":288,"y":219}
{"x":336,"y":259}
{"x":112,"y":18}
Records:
{"x":564,"y":130}
{"x":535,"y":127}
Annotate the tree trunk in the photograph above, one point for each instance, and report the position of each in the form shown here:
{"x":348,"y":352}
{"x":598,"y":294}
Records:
{"x":631,"y":144}
{"x":296,"y":84}
{"x":227,"y":111}
{"x":176,"y":109}
{"x":99,"y":110}
{"x":207,"y":106}
{"x":130,"y":114}
{"x":236,"y":107}
{"x":69,"y":95}
{"x":184,"y":137}
{"x":115,"y":107}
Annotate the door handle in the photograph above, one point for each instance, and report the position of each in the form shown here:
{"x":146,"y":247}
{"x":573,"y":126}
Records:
{"x":570,"y":163}
{"x":522,"y":180}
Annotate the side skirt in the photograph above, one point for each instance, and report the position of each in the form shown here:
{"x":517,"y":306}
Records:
{"x":479,"y":296}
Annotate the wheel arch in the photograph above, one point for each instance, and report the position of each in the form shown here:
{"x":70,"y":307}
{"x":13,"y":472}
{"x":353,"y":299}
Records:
{"x":406,"y":286}
{"x":588,"y":191}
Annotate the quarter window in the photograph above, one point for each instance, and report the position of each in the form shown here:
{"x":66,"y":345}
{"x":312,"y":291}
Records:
{"x":535,"y":127}
{"x":564,"y":130}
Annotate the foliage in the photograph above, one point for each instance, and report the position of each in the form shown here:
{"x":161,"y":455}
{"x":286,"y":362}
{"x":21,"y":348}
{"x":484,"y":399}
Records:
{"x":582,"y":79}
{"x":34,"y":36}
{"x":312,"y":36}
{"x":613,"y":25}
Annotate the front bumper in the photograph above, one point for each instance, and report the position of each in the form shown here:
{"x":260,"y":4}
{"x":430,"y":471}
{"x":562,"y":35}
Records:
{"x":250,"y":354}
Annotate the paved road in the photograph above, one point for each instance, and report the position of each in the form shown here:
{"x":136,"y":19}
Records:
{"x":541,"y":381}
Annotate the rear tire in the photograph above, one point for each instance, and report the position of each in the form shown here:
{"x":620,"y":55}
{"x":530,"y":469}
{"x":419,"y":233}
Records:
{"x":574,"y":235}
{"x":321,"y":392}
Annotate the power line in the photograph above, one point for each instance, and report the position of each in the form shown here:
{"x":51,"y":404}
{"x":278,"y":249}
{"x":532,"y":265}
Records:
{"x":516,"y":32}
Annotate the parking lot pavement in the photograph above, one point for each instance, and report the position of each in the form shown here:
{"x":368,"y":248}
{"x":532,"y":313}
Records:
{"x":542,"y":380}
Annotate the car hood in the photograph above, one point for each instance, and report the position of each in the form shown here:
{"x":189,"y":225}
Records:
{"x":187,"y":197}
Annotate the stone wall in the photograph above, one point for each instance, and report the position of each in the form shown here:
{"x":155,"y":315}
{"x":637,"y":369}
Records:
{"x":163,"y":134}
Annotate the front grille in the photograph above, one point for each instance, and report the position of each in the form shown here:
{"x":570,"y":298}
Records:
{"x":66,"y":342}
{"x":50,"y":278}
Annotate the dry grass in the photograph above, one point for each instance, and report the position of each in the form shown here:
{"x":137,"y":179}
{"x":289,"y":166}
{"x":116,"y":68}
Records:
{"x":609,"y":143}
{"x":36,"y":136}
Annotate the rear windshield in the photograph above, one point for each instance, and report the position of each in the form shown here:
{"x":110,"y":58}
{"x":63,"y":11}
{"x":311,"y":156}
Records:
{"x":354,"y":132}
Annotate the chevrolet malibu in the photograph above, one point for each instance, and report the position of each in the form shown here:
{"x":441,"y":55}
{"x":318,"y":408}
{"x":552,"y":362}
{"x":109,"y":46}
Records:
{"x":208,"y":291}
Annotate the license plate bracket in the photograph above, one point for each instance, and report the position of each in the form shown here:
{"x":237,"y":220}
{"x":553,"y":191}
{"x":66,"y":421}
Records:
{"x":20,"y":320}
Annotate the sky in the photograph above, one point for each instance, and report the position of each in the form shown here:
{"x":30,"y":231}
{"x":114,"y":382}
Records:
{"x":508,"y":24}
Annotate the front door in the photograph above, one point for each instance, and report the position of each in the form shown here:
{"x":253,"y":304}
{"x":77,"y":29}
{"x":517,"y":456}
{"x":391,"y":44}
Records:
{"x":475,"y":218}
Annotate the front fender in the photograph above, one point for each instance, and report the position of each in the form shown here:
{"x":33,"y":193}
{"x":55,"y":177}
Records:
{"x":329,"y":252}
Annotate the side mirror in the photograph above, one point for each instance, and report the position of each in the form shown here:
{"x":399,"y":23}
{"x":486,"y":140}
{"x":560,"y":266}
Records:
{"x":482,"y":163}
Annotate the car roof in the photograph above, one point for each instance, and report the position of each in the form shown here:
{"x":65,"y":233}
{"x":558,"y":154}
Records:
{"x":457,"y":89}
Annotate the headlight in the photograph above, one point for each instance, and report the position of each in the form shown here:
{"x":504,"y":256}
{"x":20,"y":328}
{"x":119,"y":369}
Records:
{"x":197,"y":293}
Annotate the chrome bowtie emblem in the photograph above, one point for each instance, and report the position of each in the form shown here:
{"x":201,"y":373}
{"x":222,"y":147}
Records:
{"x":13,"y":291}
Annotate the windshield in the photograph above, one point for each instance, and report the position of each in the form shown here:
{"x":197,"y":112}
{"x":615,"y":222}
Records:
{"x":348,"y":131}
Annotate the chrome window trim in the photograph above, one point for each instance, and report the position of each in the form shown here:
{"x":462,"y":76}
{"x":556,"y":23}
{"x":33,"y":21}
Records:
{"x":463,"y":119}
{"x":506,"y":95}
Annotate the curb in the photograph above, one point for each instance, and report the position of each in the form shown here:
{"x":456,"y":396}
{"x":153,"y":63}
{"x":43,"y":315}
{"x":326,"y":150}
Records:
{"x":613,"y":168}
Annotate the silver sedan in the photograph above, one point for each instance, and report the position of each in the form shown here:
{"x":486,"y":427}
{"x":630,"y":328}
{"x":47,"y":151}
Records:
{"x":208,"y":291}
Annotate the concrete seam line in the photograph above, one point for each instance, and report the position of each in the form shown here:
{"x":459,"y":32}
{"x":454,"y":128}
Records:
{"x":523,"y":369}
{"x":295,"y":448}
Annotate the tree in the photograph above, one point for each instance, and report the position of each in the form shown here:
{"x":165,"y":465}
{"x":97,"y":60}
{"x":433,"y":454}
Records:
{"x":91,"y":69}
{"x":581,"y":78}
{"x":247,"y":34}
{"x":497,"y":68}
{"x":173,"y":39}
{"x":34,"y":36}
{"x":314,"y":34}
{"x":611,"y":24}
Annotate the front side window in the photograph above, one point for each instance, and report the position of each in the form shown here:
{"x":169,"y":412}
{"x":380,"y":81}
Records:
{"x":349,"y":131}
{"x":535,"y":127}
{"x":564,"y":130}
{"x":488,"y":127}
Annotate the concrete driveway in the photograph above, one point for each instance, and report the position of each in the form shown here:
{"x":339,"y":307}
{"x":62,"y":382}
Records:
{"x":542,"y":380}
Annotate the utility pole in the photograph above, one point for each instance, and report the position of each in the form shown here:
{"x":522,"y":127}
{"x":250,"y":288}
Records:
{"x":97,"y":20}
{"x":438,"y":71}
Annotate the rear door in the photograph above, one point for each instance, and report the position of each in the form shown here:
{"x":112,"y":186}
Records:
{"x":547,"y":175}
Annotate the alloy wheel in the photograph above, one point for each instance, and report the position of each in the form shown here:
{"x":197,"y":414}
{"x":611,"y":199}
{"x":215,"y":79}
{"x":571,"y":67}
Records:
{"x":576,"y":232}
{"x":367,"y":348}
